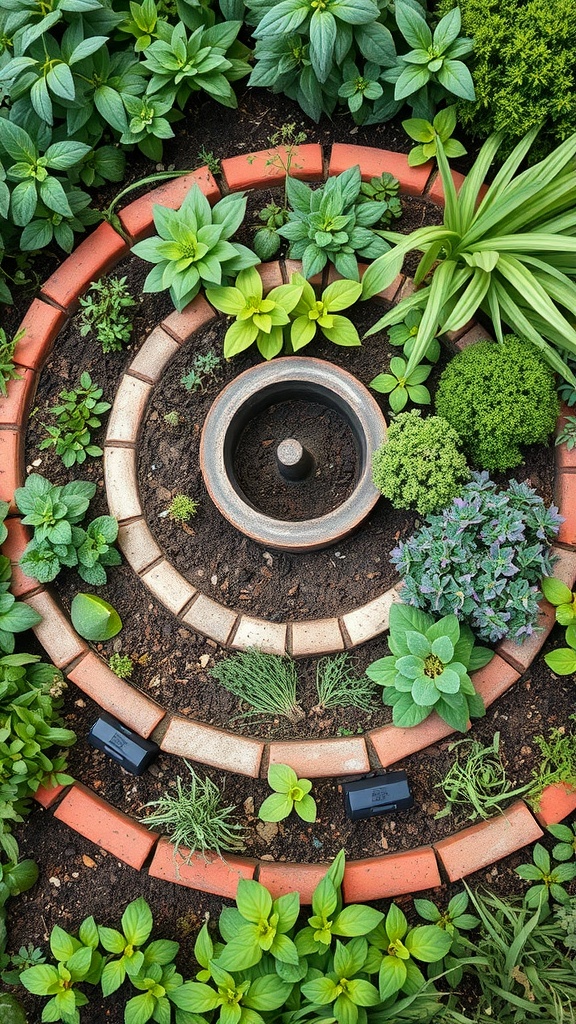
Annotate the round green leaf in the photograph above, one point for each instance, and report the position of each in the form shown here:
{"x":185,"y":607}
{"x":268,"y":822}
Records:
{"x":93,"y":618}
{"x":555,"y":591}
{"x":562,"y":661}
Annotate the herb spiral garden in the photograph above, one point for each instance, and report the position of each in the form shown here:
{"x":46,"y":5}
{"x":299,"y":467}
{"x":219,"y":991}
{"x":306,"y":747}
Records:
{"x":349,"y":212}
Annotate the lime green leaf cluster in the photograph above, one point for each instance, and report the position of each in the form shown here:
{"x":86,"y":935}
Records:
{"x":393,"y":948}
{"x":562,"y":661}
{"x":428,"y":669}
{"x":312,"y":314}
{"x":77,"y":415}
{"x":15,"y":616}
{"x":192,"y":247}
{"x":524,"y":69}
{"x":427,"y":134}
{"x":290,"y":793}
{"x":498,"y":397}
{"x":259,"y":319}
{"x":401,"y":386}
{"x":508,"y":254}
{"x":420,"y":465}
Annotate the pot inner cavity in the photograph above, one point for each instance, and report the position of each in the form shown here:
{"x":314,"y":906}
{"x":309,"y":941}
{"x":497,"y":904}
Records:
{"x":333,"y":467}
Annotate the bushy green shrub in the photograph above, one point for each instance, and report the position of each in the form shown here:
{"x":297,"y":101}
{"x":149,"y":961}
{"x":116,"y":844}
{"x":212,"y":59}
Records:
{"x":524,"y":69}
{"x":420,"y":465}
{"x":497,"y":398}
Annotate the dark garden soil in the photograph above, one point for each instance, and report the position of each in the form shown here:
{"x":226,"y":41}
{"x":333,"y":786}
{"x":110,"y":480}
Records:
{"x":77,"y":878}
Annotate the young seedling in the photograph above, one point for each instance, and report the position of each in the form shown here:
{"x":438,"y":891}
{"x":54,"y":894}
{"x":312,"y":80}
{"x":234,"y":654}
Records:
{"x":290,"y":793}
{"x":550,"y":881}
{"x":427,"y":134}
{"x":402,"y":387}
{"x":567,"y":435}
{"x":121,"y":665}
{"x":182,"y":508}
{"x":7,"y":368}
{"x":563,"y":660}
{"x":563,"y":599}
{"x":102,"y":313}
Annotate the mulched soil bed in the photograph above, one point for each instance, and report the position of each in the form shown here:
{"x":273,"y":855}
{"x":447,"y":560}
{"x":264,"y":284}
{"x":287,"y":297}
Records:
{"x":76,"y":878}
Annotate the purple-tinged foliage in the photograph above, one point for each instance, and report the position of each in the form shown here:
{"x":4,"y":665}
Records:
{"x":482,"y":558}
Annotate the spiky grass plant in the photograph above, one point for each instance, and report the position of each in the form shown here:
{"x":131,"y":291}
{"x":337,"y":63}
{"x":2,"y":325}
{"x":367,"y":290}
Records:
{"x":194,"y":818}
{"x":338,"y":687}
{"x":267,"y":682}
{"x":477,"y":781}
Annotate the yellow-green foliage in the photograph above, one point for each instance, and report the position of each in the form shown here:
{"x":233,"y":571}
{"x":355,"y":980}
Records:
{"x":524,"y":69}
{"x":420,"y":465}
{"x":497,"y":398}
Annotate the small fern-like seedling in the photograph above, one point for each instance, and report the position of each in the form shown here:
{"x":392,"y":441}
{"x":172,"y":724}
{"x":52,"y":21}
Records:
{"x":121,"y":665}
{"x":182,"y":508}
{"x":290,"y":793}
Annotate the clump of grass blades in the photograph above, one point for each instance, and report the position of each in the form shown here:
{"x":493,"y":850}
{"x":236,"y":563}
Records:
{"x":267,"y":682}
{"x":477,"y":780}
{"x":338,"y":687}
{"x":558,"y":764}
{"x":194,"y":818}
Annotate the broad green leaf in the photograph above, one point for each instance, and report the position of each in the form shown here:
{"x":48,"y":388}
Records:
{"x":562,"y":661}
{"x":281,"y":777}
{"x":275,"y":807}
{"x":356,"y":920}
{"x":555,"y":591}
{"x":428,"y":943}
{"x":253,"y":901}
{"x":391,"y":976}
{"x":137,"y":922}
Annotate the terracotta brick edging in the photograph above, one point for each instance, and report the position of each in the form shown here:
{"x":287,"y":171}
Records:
{"x":369,"y":878}
{"x":97,"y":821}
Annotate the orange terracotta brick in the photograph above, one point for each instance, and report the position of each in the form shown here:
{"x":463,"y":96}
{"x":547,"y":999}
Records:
{"x":373,"y":162}
{"x":377,"y":878}
{"x":55,"y":632}
{"x":181,"y":326}
{"x":14,"y":408}
{"x":494,"y":679}
{"x":392,"y":743}
{"x":472,"y":336}
{"x":11,"y":464}
{"x":314,"y":759}
{"x":95,"y":256}
{"x":271,"y":274}
{"x":261,"y":170}
{"x":41,"y":324}
{"x":565,"y":457}
{"x":556,"y":803}
{"x":436,"y":192}
{"x":209,"y":745}
{"x":565,"y":497}
{"x":13,"y":548}
{"x":47,"y":796}
{"x":137,"y":218}
{"x":212,"y":874}
{"x":282,"y":877}
{"x":521,"y":656}
{"x":105,"y":826}
{"x":118,"y":697}
{"x":479,"y":845}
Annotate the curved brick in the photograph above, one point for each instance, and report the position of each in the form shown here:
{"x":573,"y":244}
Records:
{"x":13,"y":548}
{"x":11,"y":464}
{"x":166,"y":583}
{"x":210,"y":618}
{"x":109,"y":828}
{"x":128,"y":410}
{"x":283,"y":877}
{"x":137,"y":218}
{"x":494,"y":679}
{"x":317,"y":636}
{"x":208,"y":745}
{"x":138,"y":545}
{"x":271,"y":274}
{"x":556,"y":803}
{"x":94,"y":678}
{"x":121,"y":483}
{"x":295,"y":267}
{"x":565,"y":457}
{"x":154,"y":355}
{"x":56,"y":634}
{"x":371,"y":619}
{"x":181,"y":326}
{"x":373,"y":162}
{"x":393,"y":743}
{"x":261,"y":169}
{"x":436,"y":191}
{"x":47,"y":796}
{"x":312,"y":759}
{"x":266,"y":636}
{"x":14,"y":408}
{"x":90,"y":260}
{"x":565,"y":497}
{"x":211,"y":873}
{"x":483,"y":844}
{"x":472,"y":336}
{"x":391,"y":875}
{"x":41,"y":324}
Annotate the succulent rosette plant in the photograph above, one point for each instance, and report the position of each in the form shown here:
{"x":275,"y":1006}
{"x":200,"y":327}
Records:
{"x":192,"y":247}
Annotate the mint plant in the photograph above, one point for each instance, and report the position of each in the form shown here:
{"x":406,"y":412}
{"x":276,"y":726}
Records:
{"x":428,"y":669}
{"x":328,"y":223}
{"x":191,"y":249}
{"x":53,"y":509}
{"x":383,"y":189}
{"x":290,"y":793}
{"x":77,"y":416}
{"x":259,"y":319}
{"x":482,"y":558}
{"x":102,"y":313}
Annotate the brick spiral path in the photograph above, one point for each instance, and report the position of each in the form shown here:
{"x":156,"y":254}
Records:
{"x":459,"y":855}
